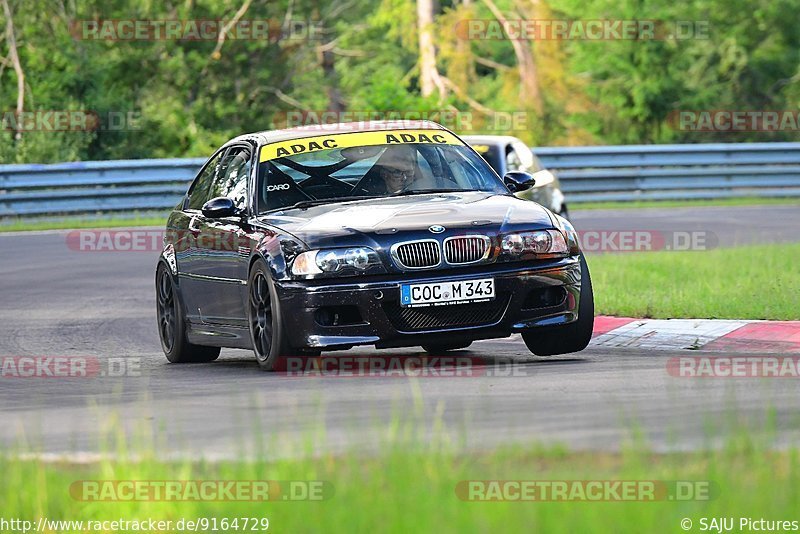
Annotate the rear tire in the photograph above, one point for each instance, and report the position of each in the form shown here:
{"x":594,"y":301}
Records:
{"x":172,"y":325}
{"x":267,"y":333}
{"x":573,"y":337}
{"x":442,"y":347}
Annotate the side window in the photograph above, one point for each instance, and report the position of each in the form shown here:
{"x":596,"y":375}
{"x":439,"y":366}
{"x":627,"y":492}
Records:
{"x":513,"y":163}
{"x":527,"y":160}
{"x":231,"y":180}
{"x":198,"y":194}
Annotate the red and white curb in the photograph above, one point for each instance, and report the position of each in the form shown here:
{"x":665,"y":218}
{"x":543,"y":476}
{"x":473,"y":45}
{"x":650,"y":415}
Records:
{"x":701,"y":334}
{"x":716,"y":335}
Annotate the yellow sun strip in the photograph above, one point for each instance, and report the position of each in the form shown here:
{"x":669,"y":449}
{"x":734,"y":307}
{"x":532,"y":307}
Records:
{"x":345,"y":140}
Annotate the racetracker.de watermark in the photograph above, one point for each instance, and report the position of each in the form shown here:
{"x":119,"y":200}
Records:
{"x":142,"y":240}
{"x":730,"y":120}
{"x":32,"y":367}
{"x":646,"y":240}
{"x":585,"y":490}
{"x":734,"y":366}
{"x":399,"y":366}
{"x":460,"y":121}
{"x":70,"y":120}
{"x":266,"y":30}
{"x":582,"y":30}
{"x":121,"y":524}
{"x":200,"y":490}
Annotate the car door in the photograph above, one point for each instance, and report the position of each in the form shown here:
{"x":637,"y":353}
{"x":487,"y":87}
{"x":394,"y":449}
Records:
{"x":187,"y":238}
{"x":224,"y":246}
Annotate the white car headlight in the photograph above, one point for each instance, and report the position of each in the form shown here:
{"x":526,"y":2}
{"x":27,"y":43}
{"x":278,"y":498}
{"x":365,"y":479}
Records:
{"x":539,"y":243}
{"x":344,"y":260}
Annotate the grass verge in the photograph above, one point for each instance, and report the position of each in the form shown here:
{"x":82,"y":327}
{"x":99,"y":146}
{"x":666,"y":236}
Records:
{"x":23,"y":225}
{"x":749,"y":282}
{"x":747,"y":201}
{"x":407,"y":490}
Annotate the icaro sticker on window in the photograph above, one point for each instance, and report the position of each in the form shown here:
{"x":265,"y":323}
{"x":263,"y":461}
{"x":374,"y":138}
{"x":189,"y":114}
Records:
{"x":346,"y":140}
{"x":278,"y":187}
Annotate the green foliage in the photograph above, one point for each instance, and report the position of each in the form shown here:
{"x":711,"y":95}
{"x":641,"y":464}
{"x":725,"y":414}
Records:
{"x":188,"y":96}
{"x":749,"y":61}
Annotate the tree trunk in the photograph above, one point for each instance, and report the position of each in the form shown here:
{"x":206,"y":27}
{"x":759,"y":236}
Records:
{"x":430,"y":80}
{"x":528,"y":77}
{"x":328,"y":63}
{"x":12,"y":51}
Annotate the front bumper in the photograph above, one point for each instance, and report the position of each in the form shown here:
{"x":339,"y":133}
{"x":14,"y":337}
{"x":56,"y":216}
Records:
{"x":335,"y":314}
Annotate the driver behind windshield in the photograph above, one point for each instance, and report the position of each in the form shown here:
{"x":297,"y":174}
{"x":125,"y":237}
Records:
{"x":396,"y":169}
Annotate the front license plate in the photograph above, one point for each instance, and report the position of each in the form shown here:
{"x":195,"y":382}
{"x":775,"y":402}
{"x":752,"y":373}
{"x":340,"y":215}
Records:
{"x":446,"y":293}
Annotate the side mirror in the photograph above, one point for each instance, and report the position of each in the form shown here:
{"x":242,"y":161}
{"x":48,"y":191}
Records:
{"x":517,"y":181}
{"x":219,"y":207}
{"x":543,"y":178}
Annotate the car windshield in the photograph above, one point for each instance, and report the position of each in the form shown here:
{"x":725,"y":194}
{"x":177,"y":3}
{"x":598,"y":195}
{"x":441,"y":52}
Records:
{"x":354,"y":170}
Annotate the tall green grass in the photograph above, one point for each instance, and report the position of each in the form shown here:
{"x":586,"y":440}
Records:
{"x":749,"y":282}
{"x":410,"y":487}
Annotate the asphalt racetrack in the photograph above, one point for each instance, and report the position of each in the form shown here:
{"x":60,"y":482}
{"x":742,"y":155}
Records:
{"x":60,"y":302}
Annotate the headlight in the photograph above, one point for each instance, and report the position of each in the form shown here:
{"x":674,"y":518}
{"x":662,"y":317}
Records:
{"x":543,"y":243}
{"x":572,"y":236}
{"x":336,"y":260}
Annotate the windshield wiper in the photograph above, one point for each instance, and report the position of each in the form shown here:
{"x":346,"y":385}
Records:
{"x":303,"y":204}
{"x":426,"y":192}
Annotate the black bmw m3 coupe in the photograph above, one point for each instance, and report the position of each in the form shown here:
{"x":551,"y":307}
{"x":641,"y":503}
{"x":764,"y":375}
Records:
{"x":313,"y":239}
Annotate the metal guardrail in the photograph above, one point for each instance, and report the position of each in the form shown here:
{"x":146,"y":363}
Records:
{"x":675,"y":172}
{"x":94,"y":186}
{"x":613,"y":173}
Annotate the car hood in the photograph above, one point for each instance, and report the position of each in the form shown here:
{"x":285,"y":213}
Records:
{"x":481,"y":212}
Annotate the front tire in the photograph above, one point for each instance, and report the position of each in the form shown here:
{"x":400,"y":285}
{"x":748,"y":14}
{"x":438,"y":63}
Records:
{"x":573,"y":337}
{"x":267,"y":334}
{"x":172,"y":325}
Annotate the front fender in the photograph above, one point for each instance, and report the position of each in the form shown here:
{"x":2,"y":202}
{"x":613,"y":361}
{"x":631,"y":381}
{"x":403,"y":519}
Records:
{"x":168,"y":257}
{"x":277,"y":251}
